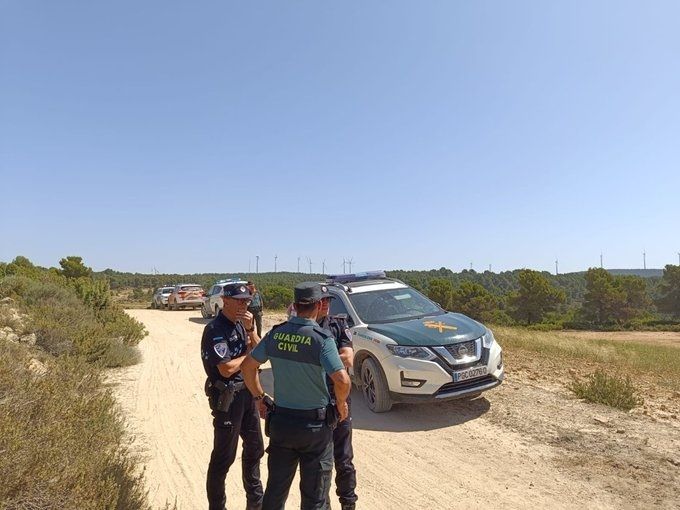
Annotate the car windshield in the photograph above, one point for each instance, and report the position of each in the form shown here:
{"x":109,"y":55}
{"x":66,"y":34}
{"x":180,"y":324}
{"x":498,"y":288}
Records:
{"x":190,"y":287}
{"x":167,"y":290}
{"x":390,"y":305}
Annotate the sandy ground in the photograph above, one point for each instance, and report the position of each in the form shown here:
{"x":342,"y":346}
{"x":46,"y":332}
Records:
{"x":526,"y":444}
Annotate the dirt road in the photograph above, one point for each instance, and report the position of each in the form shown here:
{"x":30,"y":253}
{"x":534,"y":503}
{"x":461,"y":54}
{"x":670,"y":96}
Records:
{"x":522,"y":445}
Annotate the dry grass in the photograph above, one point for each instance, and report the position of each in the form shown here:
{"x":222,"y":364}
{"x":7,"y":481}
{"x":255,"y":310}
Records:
{"x":64,"y":325}
{"x":658,"y":362}
{"x":61,"y":437}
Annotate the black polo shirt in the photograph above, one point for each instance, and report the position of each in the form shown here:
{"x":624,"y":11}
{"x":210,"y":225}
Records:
{"x":339,"y":328}
{"x":222,"y":341}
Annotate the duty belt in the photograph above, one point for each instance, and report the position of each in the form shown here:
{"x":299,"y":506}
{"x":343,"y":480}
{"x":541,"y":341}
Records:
{"x":221,"y":385}
{"x":312,"y":414}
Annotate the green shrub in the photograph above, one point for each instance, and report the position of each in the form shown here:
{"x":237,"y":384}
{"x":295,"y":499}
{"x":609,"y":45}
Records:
{"x":65,"y":325}
{"x":120,"y":325}
{"x":61,"y":437}
{"x":118,"y":354}
{"x":606,"y":389}
{"x":276,"y":296}
{"x":95,"y":294}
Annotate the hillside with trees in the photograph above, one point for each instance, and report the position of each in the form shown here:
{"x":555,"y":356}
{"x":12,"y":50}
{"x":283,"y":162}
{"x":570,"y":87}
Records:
{"x":595,"y":299}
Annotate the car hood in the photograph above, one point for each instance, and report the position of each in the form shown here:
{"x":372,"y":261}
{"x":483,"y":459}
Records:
{"x":438,"y":330}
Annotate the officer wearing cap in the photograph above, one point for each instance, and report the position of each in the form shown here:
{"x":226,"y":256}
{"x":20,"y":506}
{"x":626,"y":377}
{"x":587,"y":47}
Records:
{"x":345,"y":473}
{"x":226,"y":341}
{"x":301,"y":423}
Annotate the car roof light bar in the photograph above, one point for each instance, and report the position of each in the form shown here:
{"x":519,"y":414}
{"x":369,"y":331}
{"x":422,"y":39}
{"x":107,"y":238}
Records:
{"x":356,"y":277}
{"x":229,"y":280}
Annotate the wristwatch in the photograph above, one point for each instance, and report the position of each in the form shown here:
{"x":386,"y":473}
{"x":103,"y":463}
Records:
{"x":260,"y":397}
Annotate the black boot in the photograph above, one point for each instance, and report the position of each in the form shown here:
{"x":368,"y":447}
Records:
{"x":348,"y":506}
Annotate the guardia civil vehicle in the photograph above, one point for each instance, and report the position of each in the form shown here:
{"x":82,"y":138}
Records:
{"x":407,"y":348}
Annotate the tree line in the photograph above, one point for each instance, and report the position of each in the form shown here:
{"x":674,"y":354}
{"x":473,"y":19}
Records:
{"x":608,"y":301}
{"x":597,"y":298}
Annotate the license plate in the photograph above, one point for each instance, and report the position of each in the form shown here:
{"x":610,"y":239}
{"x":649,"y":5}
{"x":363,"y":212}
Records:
{"x":470,"y":373}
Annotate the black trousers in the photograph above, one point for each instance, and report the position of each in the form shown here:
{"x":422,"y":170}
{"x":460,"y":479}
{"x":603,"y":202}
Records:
{"x":345,"y":473}
{"x":242,"y":420}
{"x":294,"y":440}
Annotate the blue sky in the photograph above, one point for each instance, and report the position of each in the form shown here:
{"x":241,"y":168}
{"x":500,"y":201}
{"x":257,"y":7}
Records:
{"x":193,"y":136}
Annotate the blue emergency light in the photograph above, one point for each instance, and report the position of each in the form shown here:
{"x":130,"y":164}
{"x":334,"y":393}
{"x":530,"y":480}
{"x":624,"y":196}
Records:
{"x":356,"y":277}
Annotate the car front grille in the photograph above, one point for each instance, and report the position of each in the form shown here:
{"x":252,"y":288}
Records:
{"x":462,"y":350}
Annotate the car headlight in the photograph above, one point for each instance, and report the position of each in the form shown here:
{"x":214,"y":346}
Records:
{"x":488,"y":339}
{"x":405,"y":351}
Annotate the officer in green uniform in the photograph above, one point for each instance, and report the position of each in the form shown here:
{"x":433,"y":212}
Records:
{"x":300,"y":423}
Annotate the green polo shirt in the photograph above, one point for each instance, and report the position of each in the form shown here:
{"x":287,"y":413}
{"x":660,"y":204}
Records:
{"x":301,"y":354}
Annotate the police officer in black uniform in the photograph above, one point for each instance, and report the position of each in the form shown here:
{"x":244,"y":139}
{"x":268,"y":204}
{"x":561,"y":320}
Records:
{"x":226,"y":341}
{"x":301,"y":420}
{"x":345,"y":473}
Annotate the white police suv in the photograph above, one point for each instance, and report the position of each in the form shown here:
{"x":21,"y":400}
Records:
{"x":407,"y":348}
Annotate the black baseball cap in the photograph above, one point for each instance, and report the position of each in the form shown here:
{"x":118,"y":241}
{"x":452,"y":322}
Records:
{"x":236,"y":291}
{"x":307,"y":293}
{"x":324,"y":292}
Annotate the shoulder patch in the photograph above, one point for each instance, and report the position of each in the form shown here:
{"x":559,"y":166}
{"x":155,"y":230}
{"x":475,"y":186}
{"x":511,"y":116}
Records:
{"x":221,"y":349}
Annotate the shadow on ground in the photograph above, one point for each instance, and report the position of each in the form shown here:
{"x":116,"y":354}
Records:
{"x":404,"y":417}
{"x":416,"y":417}
{"x":199,"y":320}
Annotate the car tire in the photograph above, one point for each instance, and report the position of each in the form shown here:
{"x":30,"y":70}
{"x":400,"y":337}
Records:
{"x":204,"y":314}
{"x":374,"y":387}
{"x":217,"y":310}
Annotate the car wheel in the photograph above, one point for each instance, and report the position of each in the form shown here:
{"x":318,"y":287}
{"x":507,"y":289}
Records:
{"x":374,"y":387}
{"x":217,"y":310}
{"x":204,"y":314}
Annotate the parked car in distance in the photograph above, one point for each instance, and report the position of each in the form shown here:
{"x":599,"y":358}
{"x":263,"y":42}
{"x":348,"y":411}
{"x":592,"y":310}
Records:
{"x":212,"y":301}
{"x":160,"y":297}
{"x":186,"y":295}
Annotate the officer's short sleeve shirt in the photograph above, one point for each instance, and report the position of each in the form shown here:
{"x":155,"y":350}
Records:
{"x":339,"y":329}
{"x":222,"y":341}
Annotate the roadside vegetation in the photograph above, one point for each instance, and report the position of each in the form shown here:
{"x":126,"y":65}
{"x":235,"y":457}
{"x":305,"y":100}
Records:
{"x":658,"y":362}
{"x":62,"y":439}
{"x":609,"y":390}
